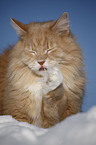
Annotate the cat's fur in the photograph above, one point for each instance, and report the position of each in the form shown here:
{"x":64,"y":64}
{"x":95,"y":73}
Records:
{"x":42,"y":79}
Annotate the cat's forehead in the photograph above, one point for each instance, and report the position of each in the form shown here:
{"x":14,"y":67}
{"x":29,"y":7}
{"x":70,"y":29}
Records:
{"x":40,"y":39}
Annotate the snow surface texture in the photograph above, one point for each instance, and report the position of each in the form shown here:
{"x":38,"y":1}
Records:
{"x":79,"y":129}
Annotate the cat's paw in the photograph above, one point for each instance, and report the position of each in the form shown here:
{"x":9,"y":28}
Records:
{"x":54,"y":79}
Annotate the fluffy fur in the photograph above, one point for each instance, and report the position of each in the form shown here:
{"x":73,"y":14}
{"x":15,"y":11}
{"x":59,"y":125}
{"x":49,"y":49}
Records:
{"x":42,"y":79}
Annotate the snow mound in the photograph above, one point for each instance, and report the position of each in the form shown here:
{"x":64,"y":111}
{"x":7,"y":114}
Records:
{"x":79,"y":129}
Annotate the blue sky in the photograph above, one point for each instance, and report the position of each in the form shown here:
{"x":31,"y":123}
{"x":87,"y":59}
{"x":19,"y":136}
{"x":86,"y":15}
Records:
{"x":82,"y":14}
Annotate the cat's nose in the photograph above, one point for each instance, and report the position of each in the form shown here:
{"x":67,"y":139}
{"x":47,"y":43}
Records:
{"x":41,"y":62}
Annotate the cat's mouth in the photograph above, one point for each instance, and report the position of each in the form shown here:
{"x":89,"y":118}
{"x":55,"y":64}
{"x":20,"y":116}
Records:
{"x":42,"y":68}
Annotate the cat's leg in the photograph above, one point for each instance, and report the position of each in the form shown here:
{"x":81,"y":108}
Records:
{"x":74,"y":103}
{"x":53,"y":106}
{"x":57,"y":105}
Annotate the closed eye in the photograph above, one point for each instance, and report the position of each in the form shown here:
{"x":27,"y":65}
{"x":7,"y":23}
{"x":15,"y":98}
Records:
{"x":51,"y":49}
{"x":30,"y":51}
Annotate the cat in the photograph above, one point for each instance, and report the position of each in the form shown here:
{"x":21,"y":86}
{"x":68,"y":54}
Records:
{"x":42,"y":79}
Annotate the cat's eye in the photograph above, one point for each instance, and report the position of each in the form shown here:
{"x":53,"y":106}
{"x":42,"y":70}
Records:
{"x":31,"y":51}
{"x":51,"y":49}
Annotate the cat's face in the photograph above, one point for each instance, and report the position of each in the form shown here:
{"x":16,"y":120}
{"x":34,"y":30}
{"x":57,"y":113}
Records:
{"x":41,"y":54}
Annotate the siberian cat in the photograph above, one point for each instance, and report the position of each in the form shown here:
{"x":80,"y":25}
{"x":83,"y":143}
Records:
{"x":42,"y":79}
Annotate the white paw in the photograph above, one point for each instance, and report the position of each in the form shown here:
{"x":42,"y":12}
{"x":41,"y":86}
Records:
{"x":54,"y":79}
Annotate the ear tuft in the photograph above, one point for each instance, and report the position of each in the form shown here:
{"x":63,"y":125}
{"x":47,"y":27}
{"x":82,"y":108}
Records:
{"x":19,"y":27}
{"x":62,"y":24}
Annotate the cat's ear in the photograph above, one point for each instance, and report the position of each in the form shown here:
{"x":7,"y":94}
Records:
{"x":19,"y":27}
{"x":62,"y":24}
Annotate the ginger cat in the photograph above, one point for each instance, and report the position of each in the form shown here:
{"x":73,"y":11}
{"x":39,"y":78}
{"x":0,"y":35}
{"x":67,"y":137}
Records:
{"x":42,"y":79}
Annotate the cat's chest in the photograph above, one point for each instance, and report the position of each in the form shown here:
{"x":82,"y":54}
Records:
{"x":41,"y":86}
{"x":35,"y":97}
{"x":35,"y":90}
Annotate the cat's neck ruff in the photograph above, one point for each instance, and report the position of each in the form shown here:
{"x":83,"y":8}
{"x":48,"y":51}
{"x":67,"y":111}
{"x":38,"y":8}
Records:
{"x":43,"y":85}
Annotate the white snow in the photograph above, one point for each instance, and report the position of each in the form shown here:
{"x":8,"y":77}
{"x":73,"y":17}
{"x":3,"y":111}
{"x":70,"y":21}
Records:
{"x":79,"y":129}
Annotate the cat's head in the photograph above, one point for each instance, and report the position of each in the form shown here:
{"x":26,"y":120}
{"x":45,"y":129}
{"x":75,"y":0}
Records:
{"x":43,"y":43}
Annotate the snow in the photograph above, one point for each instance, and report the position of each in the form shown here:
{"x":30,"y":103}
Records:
{"x":79,"y":129}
